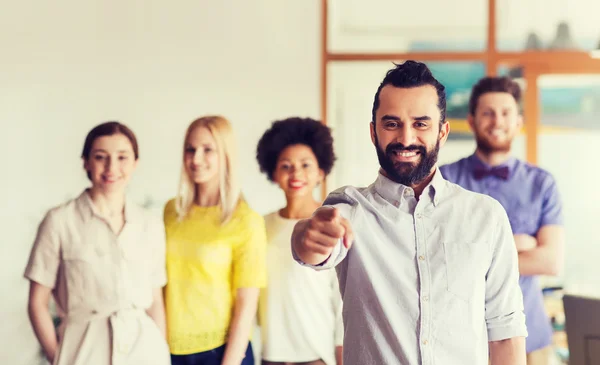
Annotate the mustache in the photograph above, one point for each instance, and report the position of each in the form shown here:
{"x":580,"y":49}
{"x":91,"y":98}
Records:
{"x":399,"y":147}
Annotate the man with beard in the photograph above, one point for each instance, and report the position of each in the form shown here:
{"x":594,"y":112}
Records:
{"x":428,"y":271}
{"x":529,"y":196}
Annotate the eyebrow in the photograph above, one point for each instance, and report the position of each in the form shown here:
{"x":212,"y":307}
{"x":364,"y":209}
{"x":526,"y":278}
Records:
{"x":104,"y":151}
{"x":421,"y":119}
{"x":189,"y":145}
{"x":395,"y":118}
{"x":288,"y":160}
{"x":391,"y":117}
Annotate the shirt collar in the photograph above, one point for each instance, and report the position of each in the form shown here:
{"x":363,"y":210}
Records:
{"x":88,"y":209}
{"x":394,"y":192}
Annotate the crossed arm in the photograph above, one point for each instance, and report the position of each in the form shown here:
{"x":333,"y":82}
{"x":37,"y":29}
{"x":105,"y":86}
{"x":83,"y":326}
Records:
{"x":543,"y":254}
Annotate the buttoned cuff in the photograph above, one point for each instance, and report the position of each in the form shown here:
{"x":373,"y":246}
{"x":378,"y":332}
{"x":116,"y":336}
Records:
{"x":337,"y":255}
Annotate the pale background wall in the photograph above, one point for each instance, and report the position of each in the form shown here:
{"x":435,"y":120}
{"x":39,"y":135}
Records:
{"x":155,"y":65}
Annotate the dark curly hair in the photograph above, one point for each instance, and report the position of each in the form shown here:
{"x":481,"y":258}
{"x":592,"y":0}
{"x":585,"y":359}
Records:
{"x":292,"y":131}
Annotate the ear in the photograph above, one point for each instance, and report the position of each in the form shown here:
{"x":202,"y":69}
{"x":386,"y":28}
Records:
{"x":321,"y":177}
{"x":135,"y":164}
{"x":372,"y":128}
{"x":520,"y":121}
{"x":85,"y":164}
{"x":444,"y":132}
{"x":471,"y":121}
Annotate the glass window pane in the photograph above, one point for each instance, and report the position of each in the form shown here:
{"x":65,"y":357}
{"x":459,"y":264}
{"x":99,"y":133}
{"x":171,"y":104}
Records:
{"x":570,"y":101}
{"x":547,"y":24}
{"x":404,"y":26}
{"x":567,"y":148}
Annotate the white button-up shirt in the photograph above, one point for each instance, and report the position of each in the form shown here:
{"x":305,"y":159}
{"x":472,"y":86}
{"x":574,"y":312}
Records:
{"x":427,"y":281}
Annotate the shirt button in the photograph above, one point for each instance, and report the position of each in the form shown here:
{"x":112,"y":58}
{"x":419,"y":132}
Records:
{"x":421,"y":257}
{"x":425,"y":342}
{"x":419,"y":216}
{"x":425,"y":298}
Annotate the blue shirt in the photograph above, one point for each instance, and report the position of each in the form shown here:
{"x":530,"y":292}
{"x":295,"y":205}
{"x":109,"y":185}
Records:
{"x":531,"y":199}
{"x":427,"y":281}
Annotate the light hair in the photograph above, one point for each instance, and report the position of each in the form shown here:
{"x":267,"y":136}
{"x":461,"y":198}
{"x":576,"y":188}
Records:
{"x":229,"y":188}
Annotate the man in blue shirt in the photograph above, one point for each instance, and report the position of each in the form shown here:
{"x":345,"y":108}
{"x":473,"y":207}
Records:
{"x":528,"y":194}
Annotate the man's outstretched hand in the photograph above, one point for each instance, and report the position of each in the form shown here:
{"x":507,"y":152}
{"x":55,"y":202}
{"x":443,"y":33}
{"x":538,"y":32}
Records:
{"x":314,"y":239}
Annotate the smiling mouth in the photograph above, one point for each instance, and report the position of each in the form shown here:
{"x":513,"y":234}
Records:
{"x":406,"y":155}
{"x":498,"y":133}
{"x":296,"y":184}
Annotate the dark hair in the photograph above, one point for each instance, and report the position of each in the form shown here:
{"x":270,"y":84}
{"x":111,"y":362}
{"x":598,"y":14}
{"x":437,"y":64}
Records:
{"x":292,"y":131}
{"x":493,"y":84}
{"x":408,"y":75}
{"x":108,"y":129}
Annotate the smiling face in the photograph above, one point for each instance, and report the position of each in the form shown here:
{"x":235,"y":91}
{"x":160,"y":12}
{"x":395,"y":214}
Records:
{"x":110,"y":163}
{"x":297,"y":171}
{"x":496,"y":122}
{"x":201,"y":158}
{"x":407,"y":133}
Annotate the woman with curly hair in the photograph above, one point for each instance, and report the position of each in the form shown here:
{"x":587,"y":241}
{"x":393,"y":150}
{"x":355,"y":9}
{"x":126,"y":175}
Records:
{"x":300,"y":309}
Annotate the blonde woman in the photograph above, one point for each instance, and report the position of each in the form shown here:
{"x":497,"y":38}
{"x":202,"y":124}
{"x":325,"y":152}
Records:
{"x":215,"y":253}
{"x":103,"y":259}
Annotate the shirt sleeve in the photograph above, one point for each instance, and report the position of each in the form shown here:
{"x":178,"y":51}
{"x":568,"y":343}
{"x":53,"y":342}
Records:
{"x":346,"y":205}
{"x":44,"y":259}
{"x":337,"y":308}
{"x":552,"y":204}
{"x":159,"y":265}
{"x":503,"y":297}
{"x":249,"y":254}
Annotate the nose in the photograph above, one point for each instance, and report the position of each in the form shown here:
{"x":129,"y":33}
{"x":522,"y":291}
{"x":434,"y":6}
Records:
{"x":197,"y":157}
{"x":110,"y":166}
{"x":497,"y":120}
{"x":407,"y":136}
{"x":294,"y":172}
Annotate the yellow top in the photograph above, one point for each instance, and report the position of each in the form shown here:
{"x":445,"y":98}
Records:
{"x":206,"y":263}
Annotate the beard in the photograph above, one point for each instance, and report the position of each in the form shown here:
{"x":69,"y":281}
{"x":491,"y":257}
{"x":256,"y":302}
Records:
{"x":406,"y":173}
{"x":488,"y":147}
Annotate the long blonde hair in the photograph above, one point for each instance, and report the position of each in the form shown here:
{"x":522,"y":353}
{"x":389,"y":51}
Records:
{"x":229,"y":189}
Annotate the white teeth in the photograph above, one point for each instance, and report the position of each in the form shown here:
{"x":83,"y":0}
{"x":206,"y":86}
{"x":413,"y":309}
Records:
{"x":407,"y":154}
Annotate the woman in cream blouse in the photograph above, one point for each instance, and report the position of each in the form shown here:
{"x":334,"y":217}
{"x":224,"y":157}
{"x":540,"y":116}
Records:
{"x":103,"y":259}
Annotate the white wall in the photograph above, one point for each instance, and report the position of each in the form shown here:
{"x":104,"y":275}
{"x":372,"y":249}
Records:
{"x":68,"y":65}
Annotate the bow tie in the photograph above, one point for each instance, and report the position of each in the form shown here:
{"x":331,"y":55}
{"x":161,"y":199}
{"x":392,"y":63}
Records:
{"x":499,"y":172}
